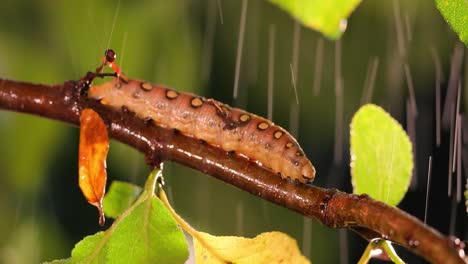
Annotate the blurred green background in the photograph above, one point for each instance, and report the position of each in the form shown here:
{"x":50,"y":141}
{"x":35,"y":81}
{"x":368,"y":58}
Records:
{"x":192,"y":46}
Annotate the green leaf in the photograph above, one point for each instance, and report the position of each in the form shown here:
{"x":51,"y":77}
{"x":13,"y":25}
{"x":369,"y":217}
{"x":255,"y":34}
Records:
{"x":144,"y":233}
{"x":381,"y":155}
{"x":328,"y":17}
{"x":456,"y":14}
{"x":121,"y":196}
{"x":156,"y":238}
{"x":85,"y":249}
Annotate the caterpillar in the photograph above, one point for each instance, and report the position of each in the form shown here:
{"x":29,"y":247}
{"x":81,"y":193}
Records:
{"x":232,"y":129}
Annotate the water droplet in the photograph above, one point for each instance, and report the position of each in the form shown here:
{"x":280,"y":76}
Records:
{"x":413,"y":243}
{"x":455,"y":241}
{"x":343,"y":24}
{"x":459,"y":245}
{"x":376,"y":252}
{"x":324,"y":204}
{"x":323,"y":207}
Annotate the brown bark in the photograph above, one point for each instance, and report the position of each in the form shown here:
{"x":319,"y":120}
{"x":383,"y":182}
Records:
{"x":331,"y":207}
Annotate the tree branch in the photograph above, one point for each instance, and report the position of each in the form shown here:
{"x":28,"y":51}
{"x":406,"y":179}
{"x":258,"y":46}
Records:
{"x":331,"y":207}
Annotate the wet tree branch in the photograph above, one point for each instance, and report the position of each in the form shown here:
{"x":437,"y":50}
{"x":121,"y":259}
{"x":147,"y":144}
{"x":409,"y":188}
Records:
{"x":331,"y":207}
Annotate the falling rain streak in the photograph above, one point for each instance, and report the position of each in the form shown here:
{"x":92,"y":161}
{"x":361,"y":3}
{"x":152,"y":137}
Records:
{"x":455,"y":71}
{"x":451,"y":147}
{"x":438,"y":80}
{"x":307,"y":237}
{"x":240,"y":45}
{"x":409,"y":82}
{"x":295,"y":58}
{"x":293,"y":81}
{"x":220,"y":11}
{"x":344,"y":254}
{"x":338,"y":147}
{"x":457,"y":124}
{"x":114,"y":21}
{"x":459,"y":159}
{"x":411,"y":129}
{"x":271,"y":69}
{"x":409,"y":32}
{"x":450,"y":112}
{"x":399,"y":27}
{"x":455,"y":145}
{"x":366,"y":83}
{"x":294,"y":107}
{"x":428,"y":188}
{"x":318,"y":66}
{"x":370,"y":88}
{"x":369,"y":82}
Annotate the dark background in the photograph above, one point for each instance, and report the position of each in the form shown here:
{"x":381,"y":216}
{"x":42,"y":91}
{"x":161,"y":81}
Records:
{"x":184,"y":44}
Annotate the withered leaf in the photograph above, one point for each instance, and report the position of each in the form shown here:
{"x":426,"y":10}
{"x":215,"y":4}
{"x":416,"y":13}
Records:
{"x":94,"y":145}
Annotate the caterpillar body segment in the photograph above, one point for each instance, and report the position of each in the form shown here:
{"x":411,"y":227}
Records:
{"x":218,"y":124}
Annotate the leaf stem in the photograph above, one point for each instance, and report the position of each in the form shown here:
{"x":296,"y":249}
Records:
{"x":151,"y":182}
{"x":379,"y":247}
{"x":366,"y":255}
{"x":188,"y":228}
{"x":388,"y":248}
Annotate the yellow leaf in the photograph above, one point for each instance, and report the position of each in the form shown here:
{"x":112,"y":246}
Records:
{"x":270,"y":247}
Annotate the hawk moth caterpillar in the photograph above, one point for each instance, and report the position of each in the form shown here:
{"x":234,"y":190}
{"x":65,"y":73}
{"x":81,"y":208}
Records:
{"x":232,"y":129}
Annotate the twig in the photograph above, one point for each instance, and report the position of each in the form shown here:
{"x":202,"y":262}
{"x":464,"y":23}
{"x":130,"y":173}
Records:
{"x":331,"y":207}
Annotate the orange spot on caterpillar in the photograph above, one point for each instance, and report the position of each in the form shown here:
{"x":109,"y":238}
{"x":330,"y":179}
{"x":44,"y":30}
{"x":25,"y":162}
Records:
{"x":289,"y":145}
{"x":146,"y":86}
{"x":196,"y":102}
{"x":263,"y":125}
{"x":278,"y":134}
{"x":171,"y":94}
{"x":244,"y":118}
